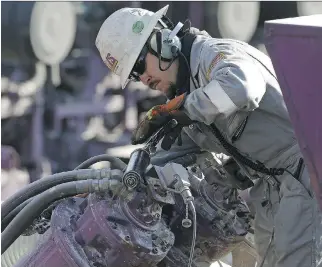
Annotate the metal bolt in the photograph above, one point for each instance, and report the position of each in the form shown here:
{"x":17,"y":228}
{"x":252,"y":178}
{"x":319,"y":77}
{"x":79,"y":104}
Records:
{"x":155,"y":251}
{"x":127,"y":237}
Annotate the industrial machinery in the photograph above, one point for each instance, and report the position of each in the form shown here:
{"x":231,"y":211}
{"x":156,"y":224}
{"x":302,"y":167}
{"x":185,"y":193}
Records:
{"x":135,"y":214}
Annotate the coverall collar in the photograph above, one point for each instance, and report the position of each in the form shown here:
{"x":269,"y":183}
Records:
{"x":191,"y":47}
{"x":183,"y":76}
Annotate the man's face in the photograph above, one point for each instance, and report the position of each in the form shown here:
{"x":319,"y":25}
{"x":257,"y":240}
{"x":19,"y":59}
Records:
{"x":157,"y":79}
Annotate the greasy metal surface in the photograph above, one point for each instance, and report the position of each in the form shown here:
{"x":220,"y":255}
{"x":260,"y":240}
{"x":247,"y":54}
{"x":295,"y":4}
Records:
{"x":295,"y":47}
{"x":219,"y":227}
{"x":59,"y":248}
{"x":129,"y":228}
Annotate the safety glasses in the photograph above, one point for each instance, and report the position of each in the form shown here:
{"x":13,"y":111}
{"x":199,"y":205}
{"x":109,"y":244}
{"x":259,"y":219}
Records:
{"x":140,"y":65}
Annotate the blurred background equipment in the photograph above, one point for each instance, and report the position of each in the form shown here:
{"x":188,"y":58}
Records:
{"x":237,"y":20}
{"x":307,"y":8}
{"x":59,"y":103}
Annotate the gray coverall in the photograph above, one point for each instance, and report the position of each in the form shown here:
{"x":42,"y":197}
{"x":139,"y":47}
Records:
{"x":238,"y":81}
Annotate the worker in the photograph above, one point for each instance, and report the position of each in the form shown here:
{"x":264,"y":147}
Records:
{"x":225,"y":98}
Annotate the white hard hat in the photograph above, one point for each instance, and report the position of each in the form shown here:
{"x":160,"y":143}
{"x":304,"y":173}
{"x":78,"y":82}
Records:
{"x":122,"y":37}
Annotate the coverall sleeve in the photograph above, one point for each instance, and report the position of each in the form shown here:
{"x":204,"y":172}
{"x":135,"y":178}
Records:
{"x":235,"y":82}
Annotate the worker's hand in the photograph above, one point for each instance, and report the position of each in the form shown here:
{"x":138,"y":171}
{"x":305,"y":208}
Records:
{"x":158,"y":116}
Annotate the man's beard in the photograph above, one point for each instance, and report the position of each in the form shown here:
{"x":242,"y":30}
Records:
{"x":172,"y":91}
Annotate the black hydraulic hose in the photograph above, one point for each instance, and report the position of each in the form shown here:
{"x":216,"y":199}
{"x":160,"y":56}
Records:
{"x":43,"y":184}
{"x":40,"y":202}
{"x":12,"y":206}
{"x":7,"y":219}
{"x":115,"y":162}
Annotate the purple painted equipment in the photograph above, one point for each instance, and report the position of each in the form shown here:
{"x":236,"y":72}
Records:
{"x":295,"y":47}
{"x":131,"y":218}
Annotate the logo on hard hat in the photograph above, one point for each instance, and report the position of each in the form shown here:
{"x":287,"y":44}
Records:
{"x":111,"y":62}
{"x":137,"y":27}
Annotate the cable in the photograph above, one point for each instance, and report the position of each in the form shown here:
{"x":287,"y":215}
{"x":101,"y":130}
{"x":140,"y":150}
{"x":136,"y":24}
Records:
{"x":194,"y":231}
{"x":169,"y":65}
{"x":43,"y":184}
{"x":159,"y":51}
{"x":188,"y":66}
{"x":39,"y":186}
{"x":11,"y":207}
{"x":115,"y":162}
{"x":32,"y":210}
{"x":256,"y":166}
{"x":7,"y":219}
